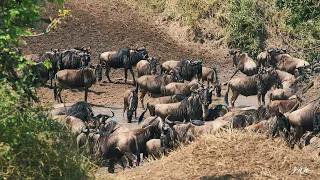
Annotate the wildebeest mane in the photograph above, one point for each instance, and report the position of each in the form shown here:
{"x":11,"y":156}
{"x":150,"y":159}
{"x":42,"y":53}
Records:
{"x":80,"y":110}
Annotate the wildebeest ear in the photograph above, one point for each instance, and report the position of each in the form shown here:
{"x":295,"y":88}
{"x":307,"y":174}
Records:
{"x":211,"y":88}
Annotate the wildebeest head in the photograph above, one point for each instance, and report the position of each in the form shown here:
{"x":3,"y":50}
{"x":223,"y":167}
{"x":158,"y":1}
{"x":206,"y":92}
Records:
{"x":205,"y":97}
{"x":143,"y":52}
{"x":174,"y":76}
{"x":97,"y":71}
{"x":153,"y":64}
{"x":100,"y":120}
{"x":217,"y":86}
{"x":197,"y":67}
{"x":280,"y":124}
{"x":235,"y":53}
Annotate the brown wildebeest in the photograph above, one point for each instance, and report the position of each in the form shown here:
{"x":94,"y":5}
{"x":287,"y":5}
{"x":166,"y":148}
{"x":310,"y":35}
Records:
{"x":130,"y":103}
{"x":211,"y":75}
{"x":163,"y":100}
{"x":123,"y":59}
{"x":285,"y":62}
{"x":155,"y":84}
{"x":147,"y":67}
{"x":186,"y":69}
{"x":77,"y":125}
{"x":184,"y":88}
{"x":262,"y":59}
{"x":284,"y":105}
{"x":302,"y":120}
{"x":193,"y":107}
{"x":72,"y":78}
{"x":254,"y":85}
{"x":243,"y":63}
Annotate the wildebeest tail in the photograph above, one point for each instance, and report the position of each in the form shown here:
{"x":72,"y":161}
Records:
{"x":55,"y":91}
{"x":226,"y":97}
{"x":137,"y":87}
{"x":142,"y":114}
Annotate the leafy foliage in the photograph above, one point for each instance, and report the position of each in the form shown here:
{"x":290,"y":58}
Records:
{"x":32,"y":145}
{"x":247,"y":26}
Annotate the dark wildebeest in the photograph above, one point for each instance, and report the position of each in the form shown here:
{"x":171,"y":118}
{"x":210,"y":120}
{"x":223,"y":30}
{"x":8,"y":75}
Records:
{"x":73,"y":59}
{"x":302,"y":120}
{"x":217,"y":111}
{"x":193,"y":107}
{"x":211,"y":75}
{"x":186,"y":69}
{"x":114,"y":146}
{"x":130,"y":103}
{"x":72,"y":78}
{"x":163,"y":100}
{"x":147,"y":67}
{"x":123,"y":59}
{"x":155,"y":84}
{"x":257,"y":84}
{"x":287,"y":63}
{"x":243,"y":63}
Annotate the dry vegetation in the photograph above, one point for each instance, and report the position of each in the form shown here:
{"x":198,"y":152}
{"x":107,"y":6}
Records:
{"x":228,"y":155}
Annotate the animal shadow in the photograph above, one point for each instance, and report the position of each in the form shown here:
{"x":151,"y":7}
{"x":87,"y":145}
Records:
{"x":226,"y":177}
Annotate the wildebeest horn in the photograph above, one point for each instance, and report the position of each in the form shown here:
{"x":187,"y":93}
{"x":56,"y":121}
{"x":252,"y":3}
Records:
{"x":111,"y":116}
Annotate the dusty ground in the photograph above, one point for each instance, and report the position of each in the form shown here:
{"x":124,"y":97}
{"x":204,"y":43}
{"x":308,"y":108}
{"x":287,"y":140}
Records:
{"x":111,"y":25}
{"x":228,"y":156}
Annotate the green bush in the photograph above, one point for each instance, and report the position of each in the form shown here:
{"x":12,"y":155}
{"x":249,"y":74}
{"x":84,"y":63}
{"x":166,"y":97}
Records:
{"x":33,"y":145}
{"x":246,"y":28}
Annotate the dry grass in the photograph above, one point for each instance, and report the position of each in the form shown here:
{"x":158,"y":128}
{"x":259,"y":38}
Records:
{"x":236,"y":155}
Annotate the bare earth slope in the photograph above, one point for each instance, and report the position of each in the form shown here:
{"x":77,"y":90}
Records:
{"x":228,"y":156}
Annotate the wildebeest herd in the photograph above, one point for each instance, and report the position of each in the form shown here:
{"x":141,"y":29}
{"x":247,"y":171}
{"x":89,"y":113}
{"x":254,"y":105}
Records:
{"x":180,"y":104}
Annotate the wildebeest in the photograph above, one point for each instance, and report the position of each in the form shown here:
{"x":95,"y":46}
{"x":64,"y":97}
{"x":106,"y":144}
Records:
{"x":243,"y":63}
{"x":130,"y":103}
{"x":304,"y":119}
{"x":72,"y":78}
{"x":147,"y":67}
{"x":123,"y":59}
{"x":217,"y":111}
{"x":77,"y":125}
{"x":211,"y":76}
{"x":283,"y":105}
{"x":155,"y":84}
{"x":187,"y":69}
{"x":73,"y":59}
{"x":163,"y":100}
{"x":130,"y":143}
{"x":257,"y":84}
{"x":285,"y":62}
{"x":184,"y":88}
{"x":114,"y":146}
{"x":193,"y":107}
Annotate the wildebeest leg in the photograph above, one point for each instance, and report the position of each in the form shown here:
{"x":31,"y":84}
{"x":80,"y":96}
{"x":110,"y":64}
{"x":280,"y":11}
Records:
{"x":59,"y":95}
{"x":86,"y":94}
{"x":134,"y":80}
{"x":299,"y":133}
{"x":107,"y":73}
{"x":125,"y":75}
{"x":124,"y":107}
{"x":263,"y":99}
{"x":234,"y":98}
{"x":259,"y":99}
{"x":131,"y":157}
{"x":111,"y":166}
{"x":143,"y":93}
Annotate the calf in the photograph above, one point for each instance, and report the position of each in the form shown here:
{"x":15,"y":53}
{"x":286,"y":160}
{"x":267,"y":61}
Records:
{"x":147,"y":67}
